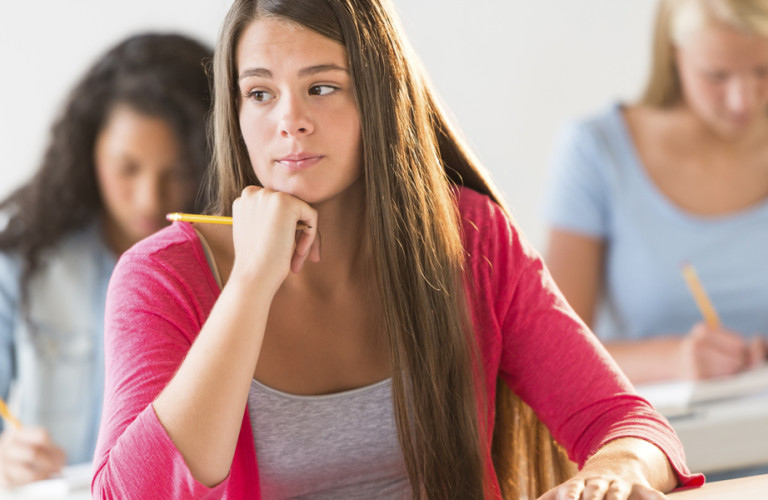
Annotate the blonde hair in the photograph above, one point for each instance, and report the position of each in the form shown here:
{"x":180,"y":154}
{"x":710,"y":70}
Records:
{"x":675,"y":20}
{"x":411,"y":156}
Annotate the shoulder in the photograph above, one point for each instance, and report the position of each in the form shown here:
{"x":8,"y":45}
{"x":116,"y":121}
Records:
{"x":470,"y":201}
{"x":174,"y":250}
{"x":72,"y":255}
{"x":587,"y":171}
{"x":10,"y":264}
{"x":478,"y":211}
{"x":179,"y":237}
{"x":85,"y":242}
{"x":10,"y":274}
{"x":489,"y":234}
{"x":166,"y":273}
{"x":593,"y":129}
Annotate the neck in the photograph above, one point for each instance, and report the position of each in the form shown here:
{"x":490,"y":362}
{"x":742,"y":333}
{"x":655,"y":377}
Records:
{"x":115,"y":239}
{"x":344,"y":254}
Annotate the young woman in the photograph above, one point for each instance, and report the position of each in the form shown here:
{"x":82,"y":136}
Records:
{"x":129,"y":146}
{"x":357,"y":357}
{"x":681,"y":176}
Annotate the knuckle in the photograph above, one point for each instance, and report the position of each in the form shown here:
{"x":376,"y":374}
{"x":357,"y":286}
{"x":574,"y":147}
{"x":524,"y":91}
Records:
{"x":249,"y":190}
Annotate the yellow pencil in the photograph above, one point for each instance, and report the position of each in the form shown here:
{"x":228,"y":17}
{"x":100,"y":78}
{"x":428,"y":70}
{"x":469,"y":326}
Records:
{"x":8,"y":416}
{"x":700,"y":296}
{"x":213,"y":219}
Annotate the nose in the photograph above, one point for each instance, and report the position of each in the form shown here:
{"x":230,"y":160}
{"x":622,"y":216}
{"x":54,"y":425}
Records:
{"x":148,"y":195}
{"x":294,"y":117}
{"x":741,"y":94}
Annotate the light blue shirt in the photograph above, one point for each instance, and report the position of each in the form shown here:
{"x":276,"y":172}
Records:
{"x":599,"y":188}
{"x":57,"y":366}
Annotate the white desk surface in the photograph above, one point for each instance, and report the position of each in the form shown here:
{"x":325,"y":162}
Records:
{"x":31,"y":494}
{"x":743,"y":488}
{"x":75,"y":484}
{"x":723,"y":424}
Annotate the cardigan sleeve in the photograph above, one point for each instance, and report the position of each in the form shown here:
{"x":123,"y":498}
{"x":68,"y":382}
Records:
{"x":152,"y":317}
{"x":546,"y":354}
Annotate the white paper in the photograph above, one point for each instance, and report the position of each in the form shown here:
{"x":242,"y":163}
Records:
{"x":73,"y":478}
{"x":676,"y":397}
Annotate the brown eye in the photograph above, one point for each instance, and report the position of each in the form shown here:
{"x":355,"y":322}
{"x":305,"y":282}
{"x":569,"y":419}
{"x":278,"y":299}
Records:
{"x":322,"y":90}
{"x":260,"y":95}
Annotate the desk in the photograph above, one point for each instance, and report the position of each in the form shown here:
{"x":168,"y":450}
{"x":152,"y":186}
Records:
{"x":723,"y":424}
{"x":743,"y":488}
{"x":725,"y":435}
{"x":74,"y":483}
{"x":81,"y":494}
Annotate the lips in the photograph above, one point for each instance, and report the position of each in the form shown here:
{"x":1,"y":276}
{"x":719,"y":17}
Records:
{"x":300,"y":161}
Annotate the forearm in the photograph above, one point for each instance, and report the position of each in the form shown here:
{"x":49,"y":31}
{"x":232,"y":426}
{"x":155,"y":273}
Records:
{"x":202,"y":406}
{"x":649,"y":360}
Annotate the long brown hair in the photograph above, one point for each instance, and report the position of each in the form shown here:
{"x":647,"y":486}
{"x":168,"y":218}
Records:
{"x":674,"y":20}
{"x":411,"y":157}
{"x":161,"y":75}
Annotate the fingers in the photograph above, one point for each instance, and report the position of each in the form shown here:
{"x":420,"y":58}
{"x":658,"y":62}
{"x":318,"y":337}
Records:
{"x":595,"y":489}
{"x":727,"y":342}
{"x":267,"y":243}
{"x":28,"y":454}
{"x":307,"y":246}
{"x":758,"y":351}
{"x":602,"y":488}
{"x":716,"y":352}
{"x":618,"y":491}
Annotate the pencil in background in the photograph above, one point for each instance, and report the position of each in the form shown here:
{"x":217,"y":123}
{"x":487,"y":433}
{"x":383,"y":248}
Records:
{"x":700,"y":296}
{"x":8,"y":416}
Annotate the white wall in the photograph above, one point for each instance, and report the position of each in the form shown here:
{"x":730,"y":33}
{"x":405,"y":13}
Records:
{"x":510,"y":70}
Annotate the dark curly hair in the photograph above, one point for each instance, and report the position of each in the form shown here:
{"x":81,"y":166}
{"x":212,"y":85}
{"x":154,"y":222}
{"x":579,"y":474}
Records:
{"x":161,"y":75}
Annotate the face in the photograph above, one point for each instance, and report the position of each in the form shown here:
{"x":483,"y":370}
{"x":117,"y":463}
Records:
{"x":724,"y":77}
{"x":298,"y":115}
{"x":140,"y":175}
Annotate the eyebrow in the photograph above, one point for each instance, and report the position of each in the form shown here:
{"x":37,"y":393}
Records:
{"x":310,"y":70}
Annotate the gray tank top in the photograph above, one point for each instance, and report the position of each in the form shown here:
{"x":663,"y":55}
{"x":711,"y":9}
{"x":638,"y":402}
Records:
{"x":334,"y":446}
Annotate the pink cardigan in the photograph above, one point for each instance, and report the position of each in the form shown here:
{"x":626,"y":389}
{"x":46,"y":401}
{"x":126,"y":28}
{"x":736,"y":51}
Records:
{"x":163,"y":290}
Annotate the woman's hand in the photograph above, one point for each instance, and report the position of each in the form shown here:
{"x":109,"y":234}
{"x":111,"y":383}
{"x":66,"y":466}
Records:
{"x":708,"y":352}
{"x":27,"y":455}
{"x":267,"y":243}
{"x":624,"y":469}
{"x":602,"y":487}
